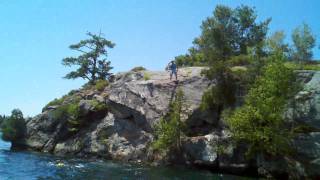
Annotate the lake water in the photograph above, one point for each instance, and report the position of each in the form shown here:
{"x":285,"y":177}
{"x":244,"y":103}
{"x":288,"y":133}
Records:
{"x":28,"y":166}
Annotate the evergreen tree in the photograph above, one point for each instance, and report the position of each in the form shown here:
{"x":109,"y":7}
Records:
{"x":92,"y":63}
{"x":228,"y":33}
{"x":2,"y":119}
{"x":169,"y":130}
{"x":14,"y":127}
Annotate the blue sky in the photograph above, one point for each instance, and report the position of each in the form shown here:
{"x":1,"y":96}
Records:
{"x":35,"y":35}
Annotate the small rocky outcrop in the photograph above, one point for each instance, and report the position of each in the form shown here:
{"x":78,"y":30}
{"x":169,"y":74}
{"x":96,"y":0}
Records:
{"x":122,"y":127}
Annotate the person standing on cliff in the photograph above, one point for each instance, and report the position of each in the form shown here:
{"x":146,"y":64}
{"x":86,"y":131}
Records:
{"x":173,"y":68}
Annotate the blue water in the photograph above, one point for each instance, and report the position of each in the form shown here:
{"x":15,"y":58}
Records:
{"x":29,"y":166}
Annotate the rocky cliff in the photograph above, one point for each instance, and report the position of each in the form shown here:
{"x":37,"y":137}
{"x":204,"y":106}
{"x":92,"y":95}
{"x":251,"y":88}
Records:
{"x":135,"y":101}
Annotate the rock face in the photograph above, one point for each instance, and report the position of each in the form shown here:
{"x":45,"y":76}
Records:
{"x":306,"y":112}
{"x":136,"y":101}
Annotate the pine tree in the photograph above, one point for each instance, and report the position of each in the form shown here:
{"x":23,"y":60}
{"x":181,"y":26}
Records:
{"x":92,"y":63}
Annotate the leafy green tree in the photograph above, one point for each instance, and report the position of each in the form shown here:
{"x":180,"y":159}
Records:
{"x":92,"y":63}
{"x":228,"y":33}
{"x":260,"y":122}
{"x":303,"y":41}
{"x":192,"y":58}
{"x":168,"y":131}
{"x":14,"y":128}
{"x":276,"y":43}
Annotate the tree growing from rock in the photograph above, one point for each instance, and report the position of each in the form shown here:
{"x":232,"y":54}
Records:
{"x":303,"y":42}
{"x":168,"y":131}
{"x":260,"y":122}
{"x":92,"y":64}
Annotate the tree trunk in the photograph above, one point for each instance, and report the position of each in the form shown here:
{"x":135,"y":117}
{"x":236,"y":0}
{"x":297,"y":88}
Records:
{"x":94,"y":70}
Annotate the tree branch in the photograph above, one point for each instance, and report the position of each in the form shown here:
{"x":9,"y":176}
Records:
{"x":89,"y":47}
{"x":81,"y":50}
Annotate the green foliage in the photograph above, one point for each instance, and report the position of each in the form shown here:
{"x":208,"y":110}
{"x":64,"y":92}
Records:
{"x":146,"y":76}
{"x":276,"y":43}
{"x":101,"y":84}
{"x":230,"y":32}
{"x":240,"y":60}
{"x":98,"y":106}
{"x":70,"y":112}
{"x":14,"y":127}
{"x":92,"y":63}
{"x":259,"y":122}
{"x":193,"y":58}
{"x":60,"y":112}
{"x":2,"y":119}
{"x":303,"y":41}
{"x":64,"y":111}
{"x":168,"y":131}
{"x":73,"y":111}
{"x":138,"y":69}
{"x":73,"y":114}
{"x":55,"y":102}
{"x":302,"y":66}
{"x":226,"y":40}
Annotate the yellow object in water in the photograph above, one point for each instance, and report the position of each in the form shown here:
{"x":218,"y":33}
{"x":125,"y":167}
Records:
{"x":60,"y":164}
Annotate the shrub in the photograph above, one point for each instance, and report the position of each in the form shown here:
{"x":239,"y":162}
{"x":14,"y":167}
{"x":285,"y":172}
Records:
{"x":98,"y":106}
{"x":146,"y":76}
{"x":260,"y":122}
{"x":54,"y":102}
{"x":71,"y":113}
{"x":60,"y":113}
{"x":138,"y":69}
{"x":101,"y":84}
{"x":168,"y":131}
{"x":14,"y":128}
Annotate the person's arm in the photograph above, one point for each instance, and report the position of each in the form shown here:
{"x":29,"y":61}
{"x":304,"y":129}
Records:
{"x":169,"y":66}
